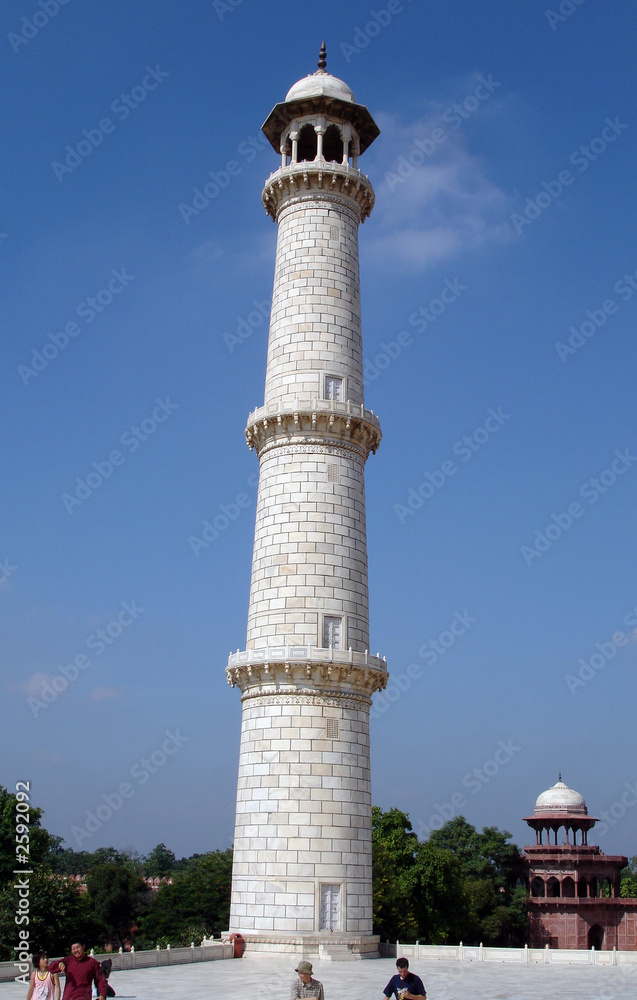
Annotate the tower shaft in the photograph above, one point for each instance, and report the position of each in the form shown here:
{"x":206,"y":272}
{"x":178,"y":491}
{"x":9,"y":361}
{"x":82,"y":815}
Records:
{"x":302,"y":850}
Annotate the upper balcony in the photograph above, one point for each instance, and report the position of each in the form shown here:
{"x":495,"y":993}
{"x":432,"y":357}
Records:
{"x":298,"y":180}
{"x":314,"y":419}
{"x":308,"y":668}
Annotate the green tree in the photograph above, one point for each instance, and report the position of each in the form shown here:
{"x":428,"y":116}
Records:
{"x":435,"y":884}
{"x":57,"y":908}
{"x":496,"y":910}
{"x":39,"y":840}
{"x":417,"y":888}
{"x":159,"y":863}
{"x":393,"y":852}
{"x":117,"y":897}
{"x":57,"y":911}
{"x":628,"y":886}
{"x":481,"y":855}
{"x":197,"y":904}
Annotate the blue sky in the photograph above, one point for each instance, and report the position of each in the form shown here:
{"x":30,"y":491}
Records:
{"x":504,"y":226}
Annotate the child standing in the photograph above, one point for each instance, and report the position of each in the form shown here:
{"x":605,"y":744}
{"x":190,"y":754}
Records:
{"x":44,"y":985}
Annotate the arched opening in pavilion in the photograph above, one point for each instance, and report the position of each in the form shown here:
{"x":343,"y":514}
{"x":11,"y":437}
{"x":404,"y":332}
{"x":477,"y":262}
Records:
{"x":538,"y":888}
{"x":307,"y":144}
{"x":553,"y":888}
{"x":568,"y":887}
{"x":333,"y":145}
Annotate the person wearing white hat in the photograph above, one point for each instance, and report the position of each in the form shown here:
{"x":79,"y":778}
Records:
{"x":305,"y":986}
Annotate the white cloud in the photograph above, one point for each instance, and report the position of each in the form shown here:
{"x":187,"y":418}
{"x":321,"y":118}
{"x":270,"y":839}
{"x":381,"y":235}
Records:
{"x":211,"y":250}
{"x":106,"y":694}
{"x":34,"y":685}
{"x":435,"y":202}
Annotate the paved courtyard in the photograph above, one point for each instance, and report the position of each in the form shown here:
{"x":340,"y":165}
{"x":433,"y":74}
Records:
{"x":259,"y":978}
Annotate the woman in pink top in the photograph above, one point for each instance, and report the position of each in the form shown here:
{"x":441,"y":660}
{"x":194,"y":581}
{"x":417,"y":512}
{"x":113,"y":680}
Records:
{"x":44,"y":985}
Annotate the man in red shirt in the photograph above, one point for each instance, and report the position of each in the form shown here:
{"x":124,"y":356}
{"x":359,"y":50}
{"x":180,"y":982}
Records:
{"x":81,"y":972}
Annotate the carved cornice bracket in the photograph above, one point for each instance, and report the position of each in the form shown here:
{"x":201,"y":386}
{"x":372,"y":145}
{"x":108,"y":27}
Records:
{"x":333,"y":180}
{"x":314,"y":421}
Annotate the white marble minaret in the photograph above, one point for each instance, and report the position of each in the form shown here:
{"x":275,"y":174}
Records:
{"x":302,"y":875}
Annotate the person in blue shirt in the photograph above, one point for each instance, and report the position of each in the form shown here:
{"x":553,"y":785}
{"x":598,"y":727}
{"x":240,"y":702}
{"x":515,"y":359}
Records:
{"x":405,"y":985}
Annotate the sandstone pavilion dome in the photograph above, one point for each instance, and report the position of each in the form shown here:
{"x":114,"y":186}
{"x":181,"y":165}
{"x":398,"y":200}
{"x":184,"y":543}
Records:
{"x":560,"y":799}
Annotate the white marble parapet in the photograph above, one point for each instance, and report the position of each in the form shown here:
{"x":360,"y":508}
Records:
{"x":314,"y":404}
{"x":309,"y":654}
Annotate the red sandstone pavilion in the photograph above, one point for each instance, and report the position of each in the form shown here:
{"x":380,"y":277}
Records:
{"x":574,"y":897}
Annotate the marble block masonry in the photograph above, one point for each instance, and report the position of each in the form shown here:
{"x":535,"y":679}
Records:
{"x":302,"y":873}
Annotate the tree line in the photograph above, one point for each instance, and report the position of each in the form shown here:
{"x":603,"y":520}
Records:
{"x":112,"y":905}
{"x":459,"y":885}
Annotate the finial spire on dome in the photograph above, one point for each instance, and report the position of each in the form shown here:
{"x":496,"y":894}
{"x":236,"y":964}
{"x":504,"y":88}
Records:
{"x":322,"y":63}
{"x":559,"y":775}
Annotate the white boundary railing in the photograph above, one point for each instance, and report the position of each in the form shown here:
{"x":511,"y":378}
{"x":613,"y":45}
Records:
{"x":124,"y":960}
{"x":478,"y":953}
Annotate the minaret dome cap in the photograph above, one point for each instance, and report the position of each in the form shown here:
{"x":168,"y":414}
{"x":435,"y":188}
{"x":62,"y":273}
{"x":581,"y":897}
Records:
{"x":320,"y":93}
{"x":320,"y":84}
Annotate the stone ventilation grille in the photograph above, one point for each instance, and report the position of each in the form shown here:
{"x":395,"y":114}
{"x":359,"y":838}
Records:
{"x":334,"y":233}
{"x":332,"y":474}
{"x":332,"y":729}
